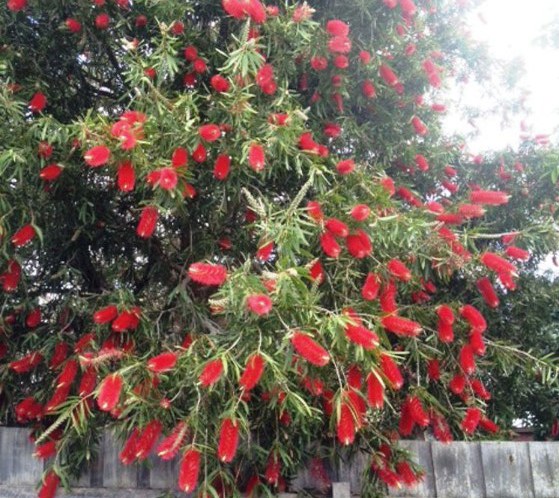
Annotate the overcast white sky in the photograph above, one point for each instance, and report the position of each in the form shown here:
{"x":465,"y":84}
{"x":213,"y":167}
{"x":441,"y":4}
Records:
{"x":510,"y":27}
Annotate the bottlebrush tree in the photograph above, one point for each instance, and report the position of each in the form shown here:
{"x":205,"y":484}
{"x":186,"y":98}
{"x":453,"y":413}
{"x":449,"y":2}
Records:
{"x":232,"y":232}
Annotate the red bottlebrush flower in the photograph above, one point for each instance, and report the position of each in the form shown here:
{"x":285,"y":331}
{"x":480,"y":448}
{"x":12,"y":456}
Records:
{"x":474,"y":317}
{"x":345,"y":167}
{"x":199,"y":155}
{"x":97,"y":156}
{"x":336,"y":27}
{"x":419,"y":126}
{"x":399,"y":270}
{"x":445,"y":332}
{"x":264,"y":75}
{"x":517,"y":253}
{"x":307,"y":143}
{"x":222,"y":166}
{"x":457,"y":383}
{"x":211,"y":372}
{"x":507,"y":281}
{"x":337,"y":227}
{"x":329,"y":245}
{"x":260,"y":304}
{"x":316,"y":272}
{"x":405,"y":472}
{"x":391,"y":371}
{"x":179,"y":157}
{"x":50,"y":484}
{"x":167,"y":178}
{"x":126,"y":177}
{"x":310,"y":350}
{"x":105,"y":315}
{"x":450,"y":218}
{"x":171,"y":445}
{"x":219,"y":83}
{"x":33,"y":318}
{"x":199,"y":66}
{"x":102,"y":21}
{"x":128,"y":453}
{"x":360,"y":212}
{"x":480,"y":390}
{"x":359,"y":244}
{"x":421,"y":162}
{"x":44,"y":150}
{"x":407,"y":422}
{"x":411,"y":48}
{"x":469,"y":211}
{"x":341,"y":62}
{"x":50,"y":172}
{"x":375,"y":392}
{"x":488,"y":425}
{"x":147,"y":439}
{"x":207,"y":273}
{"x":332,"y":130}
{"x":109,"y":392}
{"x":148,"y":220}
{"x":122,"y":322}
{"x":365,"y":57}
{"x":162,"y":362}
{"x":371,"y":287}
{"x":45,"y":450}
{"x":408,"y":8}
{"x":467,"y":360}
{"x":209,"y":133}
{"x":476,"y":342}
{"x":189,"y":470}
{"x":361,"y":336}
{"x":253,"y":372}
{"x":27,"y":363}
{"x":446,"y":314}
{"x":315,"y":211}
{"x":177,"y":28}
{"x":59,"y":396}
{"x":417,"y":412}
{"x":191,"y":53}
{"x":368,"y":90}
{"x":16,"y":5}
{"x":450,"y":171}
{"x":68,"y":373}
{"x":354,"y":377}
{"x":88,"y":382}
{"x":471,"y":420}
{"x":488,"y":292}
{"x":433,"y":369}
{"x":441,"y":430}
{"x":59,"y":355}
{"x":38,"y":102}
{"x":228,"y":440}
{"x":339,"y":45}
{"x":256,"y":157}
{"x":451,"y":187}
{"x":388,"y":297}
{"x":490,"y":197}
{"x":24,"y":235}
{"x":346,"y":425}
{"x":319,"y":63}
{"x":388,"y":185}
{"x":388,"y":75}
{"x":401,"y":326}
{"x":273,"y":467}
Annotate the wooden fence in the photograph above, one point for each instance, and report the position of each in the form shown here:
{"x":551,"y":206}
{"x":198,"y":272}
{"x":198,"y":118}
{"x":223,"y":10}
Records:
{"x":456,"y":470}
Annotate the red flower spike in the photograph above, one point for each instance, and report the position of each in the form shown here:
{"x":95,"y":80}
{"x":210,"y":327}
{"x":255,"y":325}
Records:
{"x":228,"y":440}
{"x":359,"y":245}
{"x":469,"y":211}
{"x":209,"y":133}
{"x":517,"y":253}
{"x":480,"y":390}
{"x":399,"y":270}
{"x":467,"y":360}
{"x":105,"y":315}
{"x":88,"y":382}
{"x":433,"y":369}
{"x":33,"y":318}
{"x":50,"y":172}
{"x":310,"y":350}
{"x":329,"y":245}
{"x":388,"y":297}
{"x":128,"y":453}
{"x":219,"y":83}
{"x":375,"y":392}
{"x":346,"y":425}
{"x":407,"y":422}
{"x":264,"y":252}
{"x":199,"y":155}
{"x":45,"y":450}
{"x":147,"y":223}
{"x":272,"y":473}
{"x":260,"y":304}
{"x":109,"y":392}
{"x":222,"y":166}
{"x":59,"y":396}
{"x":162,"y":362}
{"x":59,"y":355}
{"x":368,"y":90}
{"x":179,"y":157}
{"x":419,"y":126}
{"x":253,"y":372}
{"x":474,"y":317}
{"x":457,"y":384}
{"x":211,"y":373}
{"x":445,"y":332}
{"x":189,"y":470}
{"x":417,"y":412}
{"x":147,"y":439}
{"x":23,"y":236}
{"x":207,"y":273}
{"x":401,"y":326}
{"x":27,"y":363}
{"x":337,"y":227}
{"x":360,"y":212}
{"x":68,"y":373}
{"x":50,"y":485}
{"x":490,"y":197}
{"x":256,"y":157}
{"x":97,"y":156}
{"x":316,"y":272}
{"x":16,"y":5}
{"x":345,"y":167}
{"x":421,"y":162}
{"x":38,"y":102}
{"x":391,"y":371}
{"x":488,"y":425}
{"x":361,"y":336}
{"x":354,"y":377}
{"x":371,"y":287}
{"x":476,"y":342}
{"x":167,"y":178}
{"x":102,"y":21}
{"x":315,"y":211}
{"x":171,"y":445}
{"x":488,"y":292}
{"x":471,"y":420}
{"x":388,"y":75}
{"x":336,"y":27}
{"x":446,"y":315}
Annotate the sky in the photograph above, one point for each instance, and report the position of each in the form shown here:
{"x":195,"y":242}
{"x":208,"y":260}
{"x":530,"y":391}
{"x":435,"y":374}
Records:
{"x":509,"y":28}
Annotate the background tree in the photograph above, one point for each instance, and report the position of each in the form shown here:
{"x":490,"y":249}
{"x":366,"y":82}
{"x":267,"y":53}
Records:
{"x":241,"y":227}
